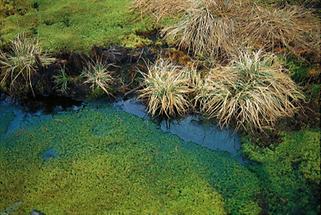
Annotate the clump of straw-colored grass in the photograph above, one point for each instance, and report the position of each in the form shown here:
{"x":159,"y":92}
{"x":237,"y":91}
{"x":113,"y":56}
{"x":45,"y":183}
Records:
{"x":166,"y":89}
{"x":161,"y":8}
{"x":208,"y":29}
{"x":21,"y":62}
{"x":253,"y":91}
{"x":291,"y":27}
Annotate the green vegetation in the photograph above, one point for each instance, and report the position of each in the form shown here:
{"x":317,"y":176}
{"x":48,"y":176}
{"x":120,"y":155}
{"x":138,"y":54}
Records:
{"x":5,"y":118}
{"x":61,"y":81}
{"x":75,"y":25}
{"x":290,"y":172}
{"x":97,"y":75}
{"x":101,"y":160}
{"x":21,"y":63}
{"x":104,"y":166}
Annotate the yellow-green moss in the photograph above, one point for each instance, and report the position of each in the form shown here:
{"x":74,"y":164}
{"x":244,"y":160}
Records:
{"x":75,"y":24}
{"x":110,"y":161}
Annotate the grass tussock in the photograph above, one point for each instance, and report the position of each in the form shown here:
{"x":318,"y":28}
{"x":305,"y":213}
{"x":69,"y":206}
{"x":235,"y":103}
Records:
{"x":253,"y":91}
{"x":160,"y":9}
{"x":61,"y":81}
{"x":291,"y":27}
{"x":218,"y":28}
{"x":98,"y":75}
{"x":207,"y":29}
{"x":166,"y":89}
{"x":21,"y":62}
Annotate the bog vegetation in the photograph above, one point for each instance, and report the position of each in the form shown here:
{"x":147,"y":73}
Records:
{"x":252,"y":65}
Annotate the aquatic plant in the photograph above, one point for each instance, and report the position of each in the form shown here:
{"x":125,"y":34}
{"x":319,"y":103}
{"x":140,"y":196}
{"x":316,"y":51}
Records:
{"x":253,"y":90}
{"x":207,"y":29}
{"x":166,"y":89}
{"x":289,"y":172}
{"x":18,"y":66}
{"x":61,"y":81}
{"x":98,"y":75}
{"x":113,"y":162}
{"x":291,"y":27}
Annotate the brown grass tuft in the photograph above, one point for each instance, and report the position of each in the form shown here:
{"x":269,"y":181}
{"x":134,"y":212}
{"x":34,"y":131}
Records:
{"x":253,"y":91}
{"x":161,"y":8}
{"x":209,"y":29}
{"x":291,"y":27}
{"x":166,"y":89}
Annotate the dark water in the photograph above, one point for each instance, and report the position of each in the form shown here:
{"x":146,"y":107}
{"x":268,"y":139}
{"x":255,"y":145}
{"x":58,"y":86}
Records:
{"x":16,"y":116}
{"x":190,"y":129}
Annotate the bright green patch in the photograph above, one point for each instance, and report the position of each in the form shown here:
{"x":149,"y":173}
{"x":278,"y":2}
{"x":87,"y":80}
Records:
{"x":290,"y":173}
{"x":110,"y":161}
{"x":76,"y":24}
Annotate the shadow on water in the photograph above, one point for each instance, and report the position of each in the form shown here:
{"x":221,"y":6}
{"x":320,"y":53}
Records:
{"x":14,"y":115}
{"x":191,"y":129}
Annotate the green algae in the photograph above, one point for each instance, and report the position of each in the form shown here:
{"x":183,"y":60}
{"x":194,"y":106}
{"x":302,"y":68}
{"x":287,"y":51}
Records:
{"x":76,"y":25}
{"x":110,"y":162}
{"x":290,"y":172}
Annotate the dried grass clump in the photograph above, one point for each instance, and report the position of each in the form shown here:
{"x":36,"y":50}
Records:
{"x":252,"y":90}
{"x":208,"y":29}
{"x":166,"y":89}
{"x":161,"y":8}
{"x":98,"y":75}
{"x":21,"y":62}
{"x":291,"y":27}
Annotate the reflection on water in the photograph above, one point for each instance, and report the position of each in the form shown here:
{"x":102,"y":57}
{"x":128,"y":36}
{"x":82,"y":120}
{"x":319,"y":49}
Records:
{"x":191,"y":128}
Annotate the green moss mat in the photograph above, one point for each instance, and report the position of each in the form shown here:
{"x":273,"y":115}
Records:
{"x":290,"y":173}
{"x":5,"y":119}
{"x":76,"y":24}
{"x":110,"y":161}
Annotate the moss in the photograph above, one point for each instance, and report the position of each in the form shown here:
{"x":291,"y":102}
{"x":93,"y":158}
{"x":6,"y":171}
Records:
{"x":134,"y":41}
{"x":105,"y":166}
{"x":76,"y":24}
{"x":5,"y":119}
{"x":290,"y":173}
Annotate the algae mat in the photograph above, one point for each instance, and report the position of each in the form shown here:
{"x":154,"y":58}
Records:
{"x":100,"y":160}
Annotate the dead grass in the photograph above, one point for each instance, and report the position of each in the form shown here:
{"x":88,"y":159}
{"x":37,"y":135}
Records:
{"x":161,"y":8}
{"x":166,"y":89}
{"x":209,"y":29}
{"x":253,"y":91}
{"x":219,"y":28}
{"x":292,"y":27}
